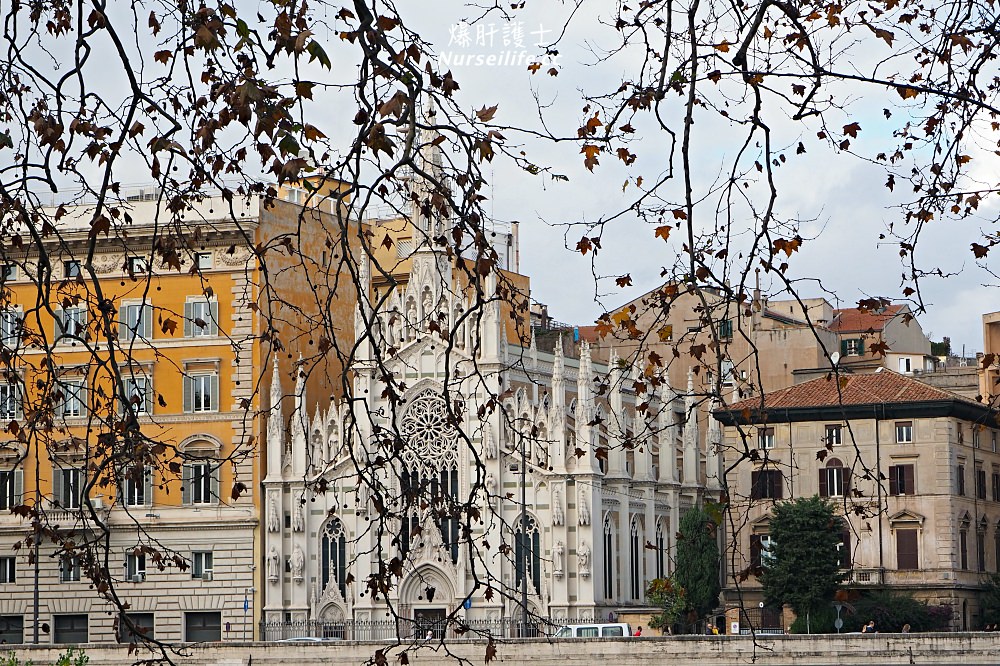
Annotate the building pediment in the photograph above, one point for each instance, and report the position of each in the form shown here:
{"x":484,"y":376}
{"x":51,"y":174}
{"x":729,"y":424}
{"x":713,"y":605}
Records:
{"x":906,"y":518}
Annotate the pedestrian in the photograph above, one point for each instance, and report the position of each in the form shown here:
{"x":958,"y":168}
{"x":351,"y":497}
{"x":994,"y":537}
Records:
{"x":869,"y":628}
{"x":906,"y":628}
{"x":709,"y":629}
{"x":715,"y":630}
{"x":430,"y":635}
{"x":638,"y":631}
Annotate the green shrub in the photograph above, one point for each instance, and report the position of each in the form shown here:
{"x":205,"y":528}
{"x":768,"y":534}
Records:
{"x":891,"y":610}
{"x":820,"y":622}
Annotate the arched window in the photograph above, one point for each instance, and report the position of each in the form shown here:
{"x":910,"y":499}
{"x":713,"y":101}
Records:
{"x":834,"y":479}
{"x":635,"y":557}
{"x":609,"y":559}
{"x":661,"y":552}
{"x":333,"y":563}
{"x":528,"y":553}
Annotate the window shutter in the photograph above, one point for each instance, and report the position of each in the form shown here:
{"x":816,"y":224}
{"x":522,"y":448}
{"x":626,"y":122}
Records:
{"x":779,"y":485}
{"x":823,"y":491}
{"x":57,"y":484}
{"x":906,"y":550}
{"x":843,"y":347}
{"x":186,"y":484}
{"x":123,"y":331}
{"x":909,"y":482}
{"x":845,"y":559}
{"x":147,"y":321}
{"x":84,"y":322}
{"x":18,"y":401}
{"x":216,"y":472}
{"x":845,"y":473}
{"x":147,"y":486}
{"x":188,"y":394}
{"x":147,"y":395}
{"x":861,"y":346}
{"x":215,"y":393}
{"x":893,"y":483}
{"x":18,"y":487}
{"x":58,"y":330}
{"x":188,"y":317}
{"x":755,"y":550}
{"x":755,"y":485}
{"x":213,"y":322}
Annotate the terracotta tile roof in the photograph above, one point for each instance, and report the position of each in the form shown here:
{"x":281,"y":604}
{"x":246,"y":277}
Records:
{"x":885,"y":387}
{"x":855,"y":320}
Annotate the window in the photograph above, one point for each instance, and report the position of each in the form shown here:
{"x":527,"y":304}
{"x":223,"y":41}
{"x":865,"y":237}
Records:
{"x":610,"y":561}
{"x":67,"y":486}
{"x":728,"y":372}
{"x":981,"y":483}
{"x":135,"y":567}
{"x":143,"y":628}
{"x":765,"y":438}
{"x":636,"y":544}
{"x":10,"y":327}
{"x":852,"y":347}
{"x":901,"y":480}
{"x":201,"y":483}
{"x":73,"y":402}
{"x":904,"y":432}
{"x":761,"y":550}
{"x":137,"y":265}
{"x":661,"y":551}
{"x":981,"y":547}
{"x":11,"y":629}
{"x":138,"y":486}
{"x":904,"y":365}
{"x":8,"y":570}
{"x":963,"y":547}
{"x":975,"y":437}
{"x":134,"y":321}
{"x":201,"y":318}
{"x":960,"y":480}
{"x":993,"y":440}
{"x":71,"y":269}
{"x":71,"y":323}
{"x":844,"y":550}
{"x":8,"y":272}
{"x":996,"y":486}
{"x":10,"y":401}
{"x":766,"y":484}
{"x":834,"y":479}
{"x":834,"y":435}
{"x":201,"y":564}
{"x":69,"y":569}
{"x":527,"y":552}
{"x":333,"y":565}
{"x":202,"y":626}
{"x":11,"y":488}
{"x":203,"y":260}
{"x":201,"y":393}
{"x":726,"y":329}
{"x":138,"y":394}
{"x":70,"y":629}
{"x":906,"y":550}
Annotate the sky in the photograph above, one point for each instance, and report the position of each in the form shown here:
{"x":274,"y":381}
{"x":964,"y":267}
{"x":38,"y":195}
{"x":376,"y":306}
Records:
{"x":840,"y":198}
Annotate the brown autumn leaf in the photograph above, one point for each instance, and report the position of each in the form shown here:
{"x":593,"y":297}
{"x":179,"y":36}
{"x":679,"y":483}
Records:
{"x":980,"y":251}
{"x":907,"y":93}
{"x":591,"y":151}
{"x":724,"y":47}
{"x":168,"y":326}
{"x":486,"y":114}
{"x":491,"y":650}
{"x":852,"y":130}
{"x":663,"y":232}
{"x":624,"y":281}
{"x":534,"y":67}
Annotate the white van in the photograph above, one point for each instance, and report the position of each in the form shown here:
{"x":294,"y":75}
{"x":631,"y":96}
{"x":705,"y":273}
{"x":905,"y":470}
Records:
{"x":594,"y":631}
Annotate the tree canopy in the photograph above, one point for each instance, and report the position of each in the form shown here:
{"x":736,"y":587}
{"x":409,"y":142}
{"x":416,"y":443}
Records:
{"x":804,"y":568}
{"x":698,"y":562}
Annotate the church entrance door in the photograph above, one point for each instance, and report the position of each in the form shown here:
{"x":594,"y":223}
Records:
{"x":430,"y":622}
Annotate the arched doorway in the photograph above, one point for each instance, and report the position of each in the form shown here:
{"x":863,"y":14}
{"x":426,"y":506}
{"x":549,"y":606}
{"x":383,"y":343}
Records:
{"x":426,"y":597}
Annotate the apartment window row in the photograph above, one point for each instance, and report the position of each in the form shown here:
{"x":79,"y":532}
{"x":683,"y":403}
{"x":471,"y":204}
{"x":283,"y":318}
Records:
{"x":72,"y":628}
{"x":199,"y":485}
{"x":906,"y":541}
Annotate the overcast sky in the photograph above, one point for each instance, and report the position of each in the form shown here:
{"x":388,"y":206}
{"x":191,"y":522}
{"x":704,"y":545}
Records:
{"x":843,"y":197}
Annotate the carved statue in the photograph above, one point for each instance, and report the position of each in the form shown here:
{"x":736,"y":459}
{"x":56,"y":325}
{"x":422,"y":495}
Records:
{"x":297,"y":562}
{"x":583,"y":559}
{"x":298,"y":516}
{"x":273,"y":565}
{"x":558,"y":551}
{"x":363,"y":495}
{"x":428,"y":304}
{"x":411,"y":313}
{"x":558,"y":515}
{"x":490,"y":445}
{"x":273,"y":517}
{"x":583,"y":508}
{"x":491,"y":485}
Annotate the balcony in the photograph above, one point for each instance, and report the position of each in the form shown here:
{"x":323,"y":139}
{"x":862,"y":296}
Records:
{"x":865,"y":577}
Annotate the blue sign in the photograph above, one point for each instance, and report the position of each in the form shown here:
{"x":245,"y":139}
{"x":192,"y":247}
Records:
{"x":246,"y":604}
{"x":467,"y":604}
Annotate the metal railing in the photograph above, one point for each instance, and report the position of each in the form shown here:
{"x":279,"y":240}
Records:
{"x":407,"y":629}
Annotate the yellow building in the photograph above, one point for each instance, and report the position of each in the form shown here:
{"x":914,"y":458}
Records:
{"x":135,"y":374}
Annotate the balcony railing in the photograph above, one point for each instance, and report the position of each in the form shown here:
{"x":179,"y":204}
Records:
{"x":407,"y":629}
{"x":866,"y":577}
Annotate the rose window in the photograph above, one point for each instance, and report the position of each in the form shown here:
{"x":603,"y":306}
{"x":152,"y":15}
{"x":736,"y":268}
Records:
{"x":431,"y":439}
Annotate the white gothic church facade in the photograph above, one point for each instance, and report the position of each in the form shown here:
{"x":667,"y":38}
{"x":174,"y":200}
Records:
{"x":603,"y":483}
